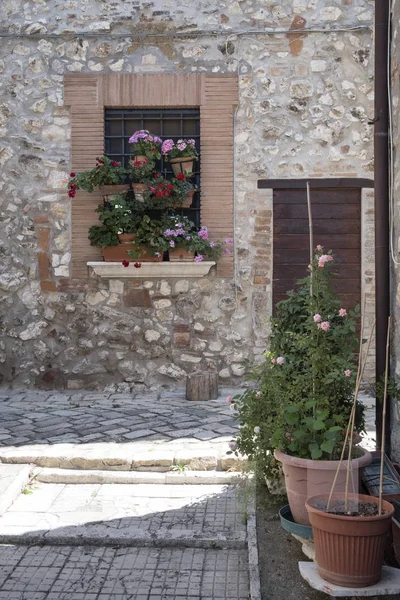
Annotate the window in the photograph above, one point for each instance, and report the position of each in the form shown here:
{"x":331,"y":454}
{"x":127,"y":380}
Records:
{"x":120,"y":124}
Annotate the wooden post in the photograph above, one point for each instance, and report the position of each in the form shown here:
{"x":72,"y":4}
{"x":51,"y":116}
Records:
{"x":202,"y":385}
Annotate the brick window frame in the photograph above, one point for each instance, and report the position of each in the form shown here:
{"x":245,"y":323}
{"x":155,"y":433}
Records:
{"x":214,"y":94}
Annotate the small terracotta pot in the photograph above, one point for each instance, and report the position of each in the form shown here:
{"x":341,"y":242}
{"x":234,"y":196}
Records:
{"x":182,"y":165}
{"x":349,"y":551}
{"x":142,"y":158}
{"x":186,"y":202}
{"x":139,"y":189}
{"x":126,"y":238}
{"x":305,"y":477}
{"x":109,"y":191}
{"x":180,"y":255}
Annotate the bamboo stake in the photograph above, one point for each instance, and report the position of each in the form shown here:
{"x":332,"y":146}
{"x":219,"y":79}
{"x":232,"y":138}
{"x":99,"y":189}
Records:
{"x":353,"y":411}
{"x":358,"y":380}
{"x":384,"y":418}
{"x":310,"y":225}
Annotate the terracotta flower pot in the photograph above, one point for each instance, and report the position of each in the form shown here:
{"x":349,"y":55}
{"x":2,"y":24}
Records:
{"x":141,"y":158}
{"x":349,"y":550}
{"x":126,"y":238}
{"x":109,"y":191}
{"x":182,"y":164}
{"x":180,"y":255}
{"x":139,"y":189}
{"x":119,"y":253}
{"x":306,"y":477}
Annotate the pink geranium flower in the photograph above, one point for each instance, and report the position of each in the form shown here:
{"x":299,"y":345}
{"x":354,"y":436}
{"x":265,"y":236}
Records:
{"x":232,"y":446}
{"x":229,"y":399}
{"x":325,"y":326}
{"x":342,"y":312}
{"x":317,"y":318}
{"x":280,"y":360}
{"x":324,"y":259}
{"x":347,"y":372}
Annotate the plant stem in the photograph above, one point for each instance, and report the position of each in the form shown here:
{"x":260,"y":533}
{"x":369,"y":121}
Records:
{"x":384,"y":418}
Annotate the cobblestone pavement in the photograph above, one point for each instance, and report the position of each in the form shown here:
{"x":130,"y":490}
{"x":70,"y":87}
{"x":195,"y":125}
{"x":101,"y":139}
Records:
{"x":89,"y":573}
{"x":114,"y":431}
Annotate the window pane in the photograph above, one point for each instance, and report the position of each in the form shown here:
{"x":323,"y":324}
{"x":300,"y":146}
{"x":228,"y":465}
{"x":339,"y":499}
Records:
{"x":114,"y":127}
{"x":132,"y":125}
{"x":113,"y":146}
{"x":153,"y":125}
{"x":172,"y":128}
{"x":190,"y":128}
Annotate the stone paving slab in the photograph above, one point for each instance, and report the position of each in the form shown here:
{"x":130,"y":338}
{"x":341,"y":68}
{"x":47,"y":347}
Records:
{"x":142,"y":514}
{"x":12,"y":480}
{"x":90,"y":573}
{"x":115,"y":431}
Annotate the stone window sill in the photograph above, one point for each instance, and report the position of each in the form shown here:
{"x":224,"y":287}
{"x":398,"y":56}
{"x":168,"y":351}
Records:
{"x":164,"y":270}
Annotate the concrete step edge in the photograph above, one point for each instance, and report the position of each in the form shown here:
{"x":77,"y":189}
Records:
{"x":75,"y":476}
{"x":12,"y":491}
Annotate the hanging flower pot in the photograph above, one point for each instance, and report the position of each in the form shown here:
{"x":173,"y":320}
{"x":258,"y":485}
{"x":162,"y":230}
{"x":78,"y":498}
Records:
{"x":126,"y":238}
{"x":141,"y":158}
{"x":139,"y":189}
{"x":180,"y":255}
{"x":110,"y":191}
{"x":349,"y":545}
{"x":182,"y":164}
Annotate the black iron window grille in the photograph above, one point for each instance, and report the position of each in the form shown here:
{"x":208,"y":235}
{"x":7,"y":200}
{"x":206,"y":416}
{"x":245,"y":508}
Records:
{"x":120,"y":124}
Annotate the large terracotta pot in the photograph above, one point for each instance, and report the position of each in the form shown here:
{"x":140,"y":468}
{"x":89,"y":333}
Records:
{"x":349,"y":551}
{"x":305,"y":477}
{"x":110,"y":191}
{"x":180,"y":255}
{"x":126,"y":238}
{"x":182,"y":164}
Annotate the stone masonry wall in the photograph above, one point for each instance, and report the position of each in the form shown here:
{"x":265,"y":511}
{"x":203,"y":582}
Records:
{"x":395,"y":289}
{"x":303,"y":110}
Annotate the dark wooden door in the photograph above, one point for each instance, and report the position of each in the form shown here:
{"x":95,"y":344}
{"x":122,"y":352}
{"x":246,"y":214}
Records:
{"x":337,"y":227}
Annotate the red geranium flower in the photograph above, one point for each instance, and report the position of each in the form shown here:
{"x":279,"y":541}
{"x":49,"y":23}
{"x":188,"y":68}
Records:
{"x":125,"y":263}
{"x":160,"y":194}
{"x":137,"y":265}
{"x":181,"y":176}
{"x":72,"y":174}
{"x":115,"y":163}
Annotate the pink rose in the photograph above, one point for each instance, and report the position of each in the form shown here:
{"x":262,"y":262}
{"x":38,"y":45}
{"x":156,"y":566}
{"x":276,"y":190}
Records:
{"x":324,"y":259}
{"x":273,"y":361}
{"x":342,"y":312}
{"x":325,"y":326}
{"x":280,"y":360}
{"x":347,"y":372}
{"x":319,"y":247}
{"x":229,"y":399}
{"x":317,"y":318}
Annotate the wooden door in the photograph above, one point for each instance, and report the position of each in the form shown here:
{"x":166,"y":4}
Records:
{"x":337,"y":226}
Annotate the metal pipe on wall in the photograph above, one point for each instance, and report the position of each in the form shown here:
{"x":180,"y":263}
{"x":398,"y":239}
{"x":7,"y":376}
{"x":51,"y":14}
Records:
{"x":381,"y":153}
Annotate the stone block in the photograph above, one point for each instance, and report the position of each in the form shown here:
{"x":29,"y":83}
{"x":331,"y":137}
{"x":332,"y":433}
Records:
{"x":137,"y":297}
{"x":48,"y":286}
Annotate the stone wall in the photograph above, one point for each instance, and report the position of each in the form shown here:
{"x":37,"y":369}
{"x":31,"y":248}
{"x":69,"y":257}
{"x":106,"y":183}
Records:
{"x":395,"y":268}
{"x":303,"y":110}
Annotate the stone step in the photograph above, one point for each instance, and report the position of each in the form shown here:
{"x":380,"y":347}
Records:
{"x":75,"y":476}
{"x":13,"y":478}
{"x":204,"y":515}
{"x":125,"y":456}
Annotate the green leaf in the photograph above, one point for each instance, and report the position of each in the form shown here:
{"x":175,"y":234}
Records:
{"x":318,"y":425}
{"x":328,"y":446}
{"x":315,"y":450}
{"x":310,"y":404}
{"x":291,"y":419}
{"x":292,"y":409}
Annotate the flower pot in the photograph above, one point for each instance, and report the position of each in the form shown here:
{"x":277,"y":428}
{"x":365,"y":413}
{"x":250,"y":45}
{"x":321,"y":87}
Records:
{"x":126,"y":238}
{"x":117,"y":253}
{"x":139,"y":189}
{"x":349,"y":550}
{"x":147,"y":256}
{"x":180,"y":255}
{"x":183,"y":164}
{"x":109,"y":191}
{"x":141,"y":158}
{"x":305,"y":477}
{"x":186,"y":201}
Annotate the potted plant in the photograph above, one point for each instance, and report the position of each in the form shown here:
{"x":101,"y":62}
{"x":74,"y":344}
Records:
{"x":184,"y":190}
{"x":181,"y":154}
{"x":108,"y":175}
{"x":145,"y":145}
{"x":140,"y":172}
{"x":163,"y":193}
{"x":185,"y":243}
{"x":149,"y":244}
{"x":117,"y":229}
{"x":298,"y":412}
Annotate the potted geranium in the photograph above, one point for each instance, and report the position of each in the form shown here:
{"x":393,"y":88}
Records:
{"x":117,"y":230}
{"x":181,"y":154}
{"x":108,"y":175}
{"x":186,"y":243}
{"x":303,"y":396}
{"x":140,"y":172}
{"x":150,"y":243}
{"x":145,"y":145}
